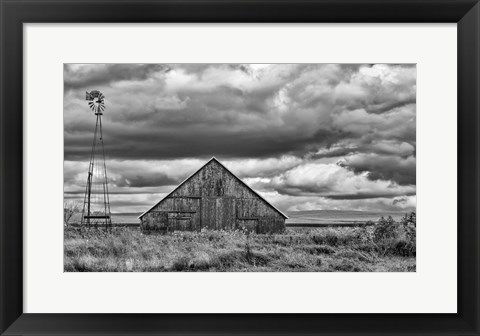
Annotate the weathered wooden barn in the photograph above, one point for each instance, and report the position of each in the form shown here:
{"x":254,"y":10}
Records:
{"x":213,"y":198}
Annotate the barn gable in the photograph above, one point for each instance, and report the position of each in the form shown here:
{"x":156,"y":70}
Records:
{"x":215,"y":198}
{"x":212,"y":168}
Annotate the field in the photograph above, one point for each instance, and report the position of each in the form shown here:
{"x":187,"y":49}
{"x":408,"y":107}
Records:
{"x":386,"y":246}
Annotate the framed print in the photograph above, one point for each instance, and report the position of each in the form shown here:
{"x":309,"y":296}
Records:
{"x":239,"y":167}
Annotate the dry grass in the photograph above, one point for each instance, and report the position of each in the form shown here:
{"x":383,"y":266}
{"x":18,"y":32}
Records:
{"x":319,"y":250}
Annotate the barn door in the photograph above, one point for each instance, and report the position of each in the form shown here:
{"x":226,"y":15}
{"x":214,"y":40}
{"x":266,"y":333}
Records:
{"x":218,"y":213}
{"x":208,"y":213}
{"x":225,"y":213}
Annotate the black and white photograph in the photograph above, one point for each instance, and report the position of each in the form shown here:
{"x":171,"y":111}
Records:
{"x":239,"y":167}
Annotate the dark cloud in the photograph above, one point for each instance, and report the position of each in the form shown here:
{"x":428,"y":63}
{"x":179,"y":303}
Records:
{"x":387,"y":106}
{"x":139,"y":181}
{"x":104,"y":74}
{"x":75,"y":193}
{"x":382,"y":167}
{"x":173,"y":141}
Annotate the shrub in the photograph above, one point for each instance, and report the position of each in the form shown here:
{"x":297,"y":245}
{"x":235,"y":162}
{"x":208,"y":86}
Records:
{"x":385,"y":229}
{"x":403,"y":248}
{"x":409,"y":223}
{"x":395,"y":238}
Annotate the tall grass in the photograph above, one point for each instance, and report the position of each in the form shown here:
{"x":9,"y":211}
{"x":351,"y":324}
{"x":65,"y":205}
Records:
{"x":385,"y":246}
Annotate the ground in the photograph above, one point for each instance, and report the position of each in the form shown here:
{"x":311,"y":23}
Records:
{"x":358,"y":249}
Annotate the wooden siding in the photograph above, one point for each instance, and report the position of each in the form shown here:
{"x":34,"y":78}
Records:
{"x":213,"y":198}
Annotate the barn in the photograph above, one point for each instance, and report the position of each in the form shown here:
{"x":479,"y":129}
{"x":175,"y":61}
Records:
{"x":213,"y":198}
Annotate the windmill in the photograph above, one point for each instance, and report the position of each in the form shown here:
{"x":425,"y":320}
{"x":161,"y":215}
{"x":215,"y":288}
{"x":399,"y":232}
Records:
{"x":96,"y":203}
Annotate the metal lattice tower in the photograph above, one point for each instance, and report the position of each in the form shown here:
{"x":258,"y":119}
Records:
{"x":96,"y":203}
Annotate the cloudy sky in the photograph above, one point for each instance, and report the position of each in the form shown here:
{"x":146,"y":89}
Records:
{"x":305,"y":136}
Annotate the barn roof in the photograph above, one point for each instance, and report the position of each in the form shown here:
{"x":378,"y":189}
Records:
{"x":188,"y":178}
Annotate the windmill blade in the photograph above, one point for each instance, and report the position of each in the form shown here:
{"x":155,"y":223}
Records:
{"x":96,"y":101}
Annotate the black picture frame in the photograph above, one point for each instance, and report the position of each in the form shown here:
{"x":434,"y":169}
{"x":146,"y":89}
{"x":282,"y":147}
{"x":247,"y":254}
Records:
{"x":14,"y":13}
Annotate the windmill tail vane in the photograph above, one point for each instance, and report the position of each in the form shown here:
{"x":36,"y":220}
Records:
{"x":96,"y":204}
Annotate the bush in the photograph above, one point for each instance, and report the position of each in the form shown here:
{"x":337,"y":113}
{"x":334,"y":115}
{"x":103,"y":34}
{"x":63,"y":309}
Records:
{"x":404,"y":248}
{"x":409,"y":223}
{"x":395,"y":238}
{"x":384,"y":230}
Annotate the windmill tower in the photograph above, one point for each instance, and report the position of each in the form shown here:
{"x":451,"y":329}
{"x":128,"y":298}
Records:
{"x":96,"y":203}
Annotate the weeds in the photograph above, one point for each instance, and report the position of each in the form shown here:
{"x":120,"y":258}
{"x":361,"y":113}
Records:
{"x":385,"y":246}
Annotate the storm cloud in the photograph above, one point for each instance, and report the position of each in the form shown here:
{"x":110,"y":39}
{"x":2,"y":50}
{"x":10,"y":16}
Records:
{"x":300,"y":134}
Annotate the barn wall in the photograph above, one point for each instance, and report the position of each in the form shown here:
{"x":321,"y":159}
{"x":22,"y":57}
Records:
{"x":215,"y":199}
